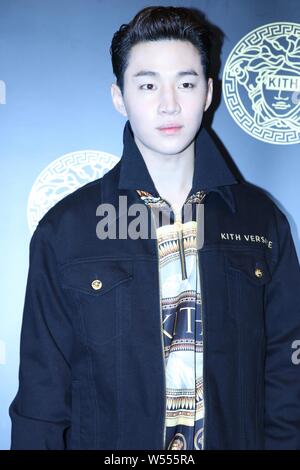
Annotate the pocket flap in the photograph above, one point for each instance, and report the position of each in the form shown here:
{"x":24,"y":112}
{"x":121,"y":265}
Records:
{"x":96,"y":277}
{"x":253,"y":265}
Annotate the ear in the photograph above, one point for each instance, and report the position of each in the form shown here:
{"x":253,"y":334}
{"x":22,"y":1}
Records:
{"x":209,"y":94}
{"x":117,"y":99}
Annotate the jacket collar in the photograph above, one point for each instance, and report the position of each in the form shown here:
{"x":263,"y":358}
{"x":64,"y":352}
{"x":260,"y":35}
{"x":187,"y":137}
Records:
{"x":211,"y":173}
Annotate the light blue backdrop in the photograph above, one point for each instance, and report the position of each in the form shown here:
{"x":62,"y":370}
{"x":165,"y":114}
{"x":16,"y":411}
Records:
{"x":55,"y":76}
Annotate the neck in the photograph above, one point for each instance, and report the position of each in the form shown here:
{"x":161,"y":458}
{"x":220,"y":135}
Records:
{"x":172,"y":174}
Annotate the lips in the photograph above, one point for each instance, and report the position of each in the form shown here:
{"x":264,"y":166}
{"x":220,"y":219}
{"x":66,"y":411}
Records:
{"x":170,"y":129}
{"x":170,"y":126}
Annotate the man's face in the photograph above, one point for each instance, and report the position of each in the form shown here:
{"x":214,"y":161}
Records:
{"x":164,"y":96}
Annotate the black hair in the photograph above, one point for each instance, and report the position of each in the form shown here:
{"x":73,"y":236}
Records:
{"x":154,"y":23}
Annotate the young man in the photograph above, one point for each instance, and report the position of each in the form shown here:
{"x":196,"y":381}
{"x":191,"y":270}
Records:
{"x":155,"y":342}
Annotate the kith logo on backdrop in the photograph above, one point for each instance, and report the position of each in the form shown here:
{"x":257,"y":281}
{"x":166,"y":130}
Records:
{"x":261,"y":83}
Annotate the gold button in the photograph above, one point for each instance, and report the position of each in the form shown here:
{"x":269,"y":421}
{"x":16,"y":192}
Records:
{"x":258,"y":272}
{"x":96,"y":284}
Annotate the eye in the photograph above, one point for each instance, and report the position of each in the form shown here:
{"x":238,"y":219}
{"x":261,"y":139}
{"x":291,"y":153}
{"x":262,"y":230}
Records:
{"x":186,"y":83}
{"x":146,"y":84}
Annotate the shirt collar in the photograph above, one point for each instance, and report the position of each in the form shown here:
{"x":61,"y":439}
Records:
{"x":211,"y":173}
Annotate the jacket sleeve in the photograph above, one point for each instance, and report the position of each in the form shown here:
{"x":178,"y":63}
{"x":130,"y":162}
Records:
{"x":282,"y":373}
{"x":40,"y":411}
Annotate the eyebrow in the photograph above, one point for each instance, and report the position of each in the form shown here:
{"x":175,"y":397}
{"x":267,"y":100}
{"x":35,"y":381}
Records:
{"x":150,"y":73}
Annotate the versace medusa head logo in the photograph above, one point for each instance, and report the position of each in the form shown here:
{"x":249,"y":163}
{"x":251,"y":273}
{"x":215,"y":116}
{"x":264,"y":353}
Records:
{"x":261,"y":83}
{"x":63,"y":176}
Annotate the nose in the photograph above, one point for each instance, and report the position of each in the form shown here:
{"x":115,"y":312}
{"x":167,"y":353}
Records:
{"x":279,"y":96}
{"x":168,"y":101}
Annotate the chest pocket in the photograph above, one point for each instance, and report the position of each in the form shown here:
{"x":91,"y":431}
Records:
{"x":247,"y":276}
{"x":101,"y":291}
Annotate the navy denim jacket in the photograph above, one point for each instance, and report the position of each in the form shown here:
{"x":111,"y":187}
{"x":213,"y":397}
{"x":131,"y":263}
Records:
{"x":91,"y":370}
